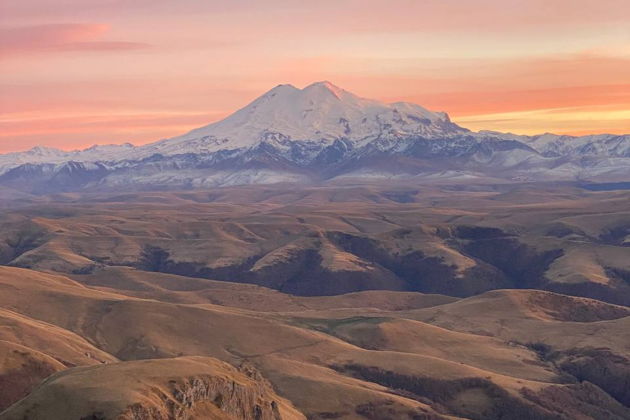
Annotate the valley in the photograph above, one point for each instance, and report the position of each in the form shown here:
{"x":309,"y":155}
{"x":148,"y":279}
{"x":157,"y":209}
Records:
{"x":350,"y":301}
{"x":442,"y":239}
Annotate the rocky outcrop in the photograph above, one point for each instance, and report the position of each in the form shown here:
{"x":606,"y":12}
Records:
{"x":167,"y":389}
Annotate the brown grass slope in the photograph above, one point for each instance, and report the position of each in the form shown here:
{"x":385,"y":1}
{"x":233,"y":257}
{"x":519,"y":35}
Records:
{"x":338,"y":239}
{"x":166,"y":330}
{"x":21,"y":369}
{"x":182,"y":388}
{"x":180,"y":289}
{"x":313,"y":366}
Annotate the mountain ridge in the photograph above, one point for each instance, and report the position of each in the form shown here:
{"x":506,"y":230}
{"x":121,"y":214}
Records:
{"x":316,"y":134}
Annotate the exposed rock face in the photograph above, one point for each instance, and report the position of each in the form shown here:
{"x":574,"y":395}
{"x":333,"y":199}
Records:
{"x":170,"y":389}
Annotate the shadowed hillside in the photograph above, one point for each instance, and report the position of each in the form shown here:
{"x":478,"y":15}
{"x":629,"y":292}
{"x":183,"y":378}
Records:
{"x":336,"y":240}
{"x":350,"y":302}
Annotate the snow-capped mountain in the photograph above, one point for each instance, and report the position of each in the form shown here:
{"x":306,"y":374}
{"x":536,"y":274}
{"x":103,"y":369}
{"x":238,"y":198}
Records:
{"x":41,"y":154}
{"x":319,"y":133}
{"x":554,"y":145}
{"x":320,"y":113}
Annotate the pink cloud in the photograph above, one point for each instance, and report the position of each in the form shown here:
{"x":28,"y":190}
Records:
{"x":59,"y":37}
{"x":465,"y":57}
{"x":353,"y":15}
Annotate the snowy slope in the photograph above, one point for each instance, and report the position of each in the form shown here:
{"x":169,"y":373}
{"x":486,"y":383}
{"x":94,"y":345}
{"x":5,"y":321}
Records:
{"x":594,"y":145}
{"x":96,"y":153}
{"x":318,"y":133}
{"x":548,"y":144}
{"x":321,"y":112}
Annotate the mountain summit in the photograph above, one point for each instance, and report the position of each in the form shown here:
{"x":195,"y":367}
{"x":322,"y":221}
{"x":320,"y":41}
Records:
{"x":316,"y":134}
{"x":321,"y":112}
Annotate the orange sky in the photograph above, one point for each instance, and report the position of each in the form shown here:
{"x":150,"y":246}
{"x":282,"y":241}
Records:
{"x":75,"y":72}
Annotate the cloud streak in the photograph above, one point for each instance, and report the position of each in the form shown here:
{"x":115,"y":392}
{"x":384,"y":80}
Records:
{"x":60,"y":37}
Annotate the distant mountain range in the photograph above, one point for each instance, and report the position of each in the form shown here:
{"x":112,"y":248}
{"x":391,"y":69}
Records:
{"x":321,"y":133}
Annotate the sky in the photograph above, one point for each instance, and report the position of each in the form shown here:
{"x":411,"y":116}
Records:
{"x":74,"y":73}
